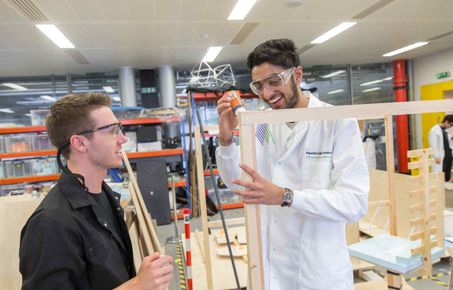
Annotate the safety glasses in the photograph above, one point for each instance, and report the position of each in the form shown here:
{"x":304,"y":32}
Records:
{"x":115,"y":129}
{"x":272,"y":82}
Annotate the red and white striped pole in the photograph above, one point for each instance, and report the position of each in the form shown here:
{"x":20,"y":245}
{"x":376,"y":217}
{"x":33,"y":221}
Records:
{"x":186,"y":212}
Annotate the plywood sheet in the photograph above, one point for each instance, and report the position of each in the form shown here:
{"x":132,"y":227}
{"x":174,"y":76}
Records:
{"x":223,"y":277}
{"x":14,"y":213}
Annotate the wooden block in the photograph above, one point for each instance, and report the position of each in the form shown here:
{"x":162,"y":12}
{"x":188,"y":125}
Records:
{"x":420,"y":235}
{"x":419,"y":250}
{"x":238,"y":251}
{"x":378,"y":203}
{"x":394,"y":280}
{"x":414,"y":165}
{"x":416,"y":193}
{"x":416,"y":207}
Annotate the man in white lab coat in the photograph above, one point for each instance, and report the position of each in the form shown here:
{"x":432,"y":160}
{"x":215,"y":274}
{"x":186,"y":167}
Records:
{"x":311,"y":178}
{"x":439,"y":139}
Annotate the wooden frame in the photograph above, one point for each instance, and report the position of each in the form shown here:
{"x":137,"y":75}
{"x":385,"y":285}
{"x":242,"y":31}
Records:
{"x":205,"y":242}
{"x":248,"y":121}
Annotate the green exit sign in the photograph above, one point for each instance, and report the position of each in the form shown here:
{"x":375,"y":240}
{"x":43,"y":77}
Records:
{"x":442,"y":75}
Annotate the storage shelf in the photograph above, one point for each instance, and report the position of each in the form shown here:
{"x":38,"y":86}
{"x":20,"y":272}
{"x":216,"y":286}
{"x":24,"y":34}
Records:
{"x":211,"y":96}
{"x":231,"y":205}
{"x":51,"y":152}
{"x":27,"y":129}
{"x":142,"y":121}
{"x":137,"y":121}
{"x":208,"y":172}
{"x":165,"y":152}
{"x":178,"y":183}
{"x":23,"y":179}
{"x":54,"y":177}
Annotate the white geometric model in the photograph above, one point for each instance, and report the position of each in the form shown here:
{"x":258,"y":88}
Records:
{"x":207,"y":77}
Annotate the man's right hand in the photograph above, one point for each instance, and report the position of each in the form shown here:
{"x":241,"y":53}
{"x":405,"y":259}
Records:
{"x":154,"y":274}
{"x":438,"y":160}
{"x":227,"y":120}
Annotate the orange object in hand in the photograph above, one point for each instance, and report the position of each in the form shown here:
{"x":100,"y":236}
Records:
{"x":235,"y":101}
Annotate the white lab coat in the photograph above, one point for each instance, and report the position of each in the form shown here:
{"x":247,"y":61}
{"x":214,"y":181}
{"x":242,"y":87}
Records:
{"x":436,"y":141}
{"x":304,"y":246}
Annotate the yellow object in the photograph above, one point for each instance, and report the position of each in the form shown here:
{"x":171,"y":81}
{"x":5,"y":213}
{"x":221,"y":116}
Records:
{"x":433,"y":92}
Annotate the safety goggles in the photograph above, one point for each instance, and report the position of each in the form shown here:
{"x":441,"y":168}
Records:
{"x":115,"y":129}
{"x":272,"y":82}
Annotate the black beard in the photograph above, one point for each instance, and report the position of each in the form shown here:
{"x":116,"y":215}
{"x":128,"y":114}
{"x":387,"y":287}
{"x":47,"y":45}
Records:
{"x":294,"y":99}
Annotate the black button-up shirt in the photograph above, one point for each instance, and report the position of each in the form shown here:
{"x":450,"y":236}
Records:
{"x":68,"y":244}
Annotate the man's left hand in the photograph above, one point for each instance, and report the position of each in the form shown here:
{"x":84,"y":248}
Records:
{"x":258,"y":191}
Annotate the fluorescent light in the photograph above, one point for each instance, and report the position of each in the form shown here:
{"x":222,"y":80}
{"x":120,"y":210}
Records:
{"x":333,"y":74}
{"x":241,"y":9}
{"x":108,"y":89}
{"x":334,"y":31}
{"x":28,"y":115}
{"x":7,"y":110}
{"x":117,"y":99}
{"x":14,"y":86}
{"x":406,"y":48}
{"x":212,"y":53}
{"x":49,"y":98}
{"x":372,"y":89}
{"x":335,"y":92}
{"x":371,"y":83}
{"x":52,"y":32}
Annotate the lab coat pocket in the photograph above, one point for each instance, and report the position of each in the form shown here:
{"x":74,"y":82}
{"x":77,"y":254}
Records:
{"x":324,"y":265}
{"x":316,"y":173}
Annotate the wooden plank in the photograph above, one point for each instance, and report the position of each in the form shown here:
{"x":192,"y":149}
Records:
{"x":419,"y":250}
{"x":414,"y":165}
{"x":378,"y":203}
{"x":252,"y":213}
{"x":390,"y":161}
{"x":417,"y":193}
{"x":229,"y":222}
{"x":141,"y":207}
{"x":360,"y":112}
{"x":203,"y":209}
{"x":421,"y":234}
{"x":143,"y":230}
{"x":224,"y":278}
{"x":14,"y":212}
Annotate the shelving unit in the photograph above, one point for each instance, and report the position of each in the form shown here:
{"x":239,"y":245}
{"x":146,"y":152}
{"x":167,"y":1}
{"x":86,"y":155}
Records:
{"x":53,"y":152}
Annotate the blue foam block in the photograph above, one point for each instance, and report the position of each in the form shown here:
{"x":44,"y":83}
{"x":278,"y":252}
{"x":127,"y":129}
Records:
{"x":392,"y":253}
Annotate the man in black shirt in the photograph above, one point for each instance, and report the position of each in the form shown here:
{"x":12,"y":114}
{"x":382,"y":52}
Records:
{"x":77,"y":237}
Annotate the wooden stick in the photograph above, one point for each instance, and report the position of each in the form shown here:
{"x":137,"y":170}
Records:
{"x":391,"y":173}
{"x":141,"y":204}
{"x":142,"y":229}
{"x":252,"y":214}
{"x":202,"y":203}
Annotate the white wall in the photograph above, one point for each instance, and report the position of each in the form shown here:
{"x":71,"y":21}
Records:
{"x":425,"y":69}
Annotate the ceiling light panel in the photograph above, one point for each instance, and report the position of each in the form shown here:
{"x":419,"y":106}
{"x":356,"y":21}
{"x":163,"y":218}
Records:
{"x":52,"y":32}
{"x":406,"y":48}
{"x":333,"y":32}
{"x":212,"y":53}
{"x":333,"y":74}
{"x":241,"y":9}
{"x":371,"y":90}
{"x":14,"y":86}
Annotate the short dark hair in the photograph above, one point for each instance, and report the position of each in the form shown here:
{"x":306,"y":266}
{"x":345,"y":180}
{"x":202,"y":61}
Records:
{"x":281,"y":52}
{"x":448,"y":118}
{"x":71,"y":115}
